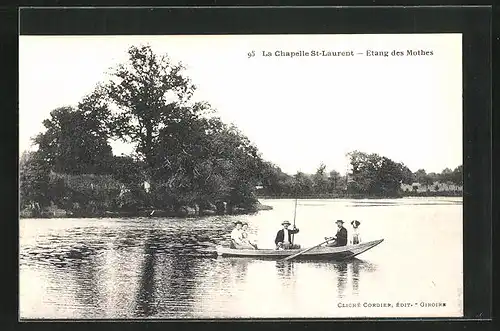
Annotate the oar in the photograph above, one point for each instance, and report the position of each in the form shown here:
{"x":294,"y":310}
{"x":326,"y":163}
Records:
{"x":305,"y":250}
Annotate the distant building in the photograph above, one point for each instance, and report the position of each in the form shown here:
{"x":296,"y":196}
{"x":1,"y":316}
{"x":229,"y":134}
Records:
{"x":434,"y":187}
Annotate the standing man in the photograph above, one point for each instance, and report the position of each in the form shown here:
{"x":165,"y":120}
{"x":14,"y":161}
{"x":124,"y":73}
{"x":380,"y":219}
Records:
{"x":284,"y":237}
{"x":340,"y":239}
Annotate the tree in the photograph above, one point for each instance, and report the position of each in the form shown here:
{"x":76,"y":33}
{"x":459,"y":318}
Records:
{"x":427,"y":181}
{"x":364,"y":172}
{"x":270,"y":179}
{"x":408,"y":177}
{"x":446,"y":176}
{"x":149,"y":91}
{"x":320,"y":180}
{"x":334,"y":181}
{"x":457,"y":176}
{"x":233,"y":146}
{"x":376,"y":175}
{"x":303,"y":184}
{"x":390,"y":176}
{"x":75,"y":142}
{"x":419,"y":175}
{"x":34,"y":181}
{"x":187,"y":155}
{"x":204,"y":160}
{"x":433,"y":176}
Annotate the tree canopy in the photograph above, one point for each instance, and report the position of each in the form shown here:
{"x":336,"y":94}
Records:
{"x":75,"y":141}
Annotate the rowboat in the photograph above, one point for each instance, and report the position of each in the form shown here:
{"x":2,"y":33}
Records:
{"x":324,"y":253}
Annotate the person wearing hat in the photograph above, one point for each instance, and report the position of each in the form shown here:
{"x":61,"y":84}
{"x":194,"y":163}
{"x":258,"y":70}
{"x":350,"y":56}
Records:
{"x":284,"y":237}
{"x":236,"y":235}
{"x":340,"y":238}
{"x":356,"y":238}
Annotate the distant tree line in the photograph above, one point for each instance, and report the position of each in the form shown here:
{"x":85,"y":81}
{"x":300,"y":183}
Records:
{"x":370,"y":175}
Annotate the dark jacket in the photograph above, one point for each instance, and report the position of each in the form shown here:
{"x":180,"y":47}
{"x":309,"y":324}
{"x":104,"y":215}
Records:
{"x":280,"y":236}
{"x":341,"y":237}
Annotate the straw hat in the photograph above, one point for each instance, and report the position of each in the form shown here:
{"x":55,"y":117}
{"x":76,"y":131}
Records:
{"x":286,"y":222}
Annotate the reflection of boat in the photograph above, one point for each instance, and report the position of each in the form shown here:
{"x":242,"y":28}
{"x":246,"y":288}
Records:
{"x":329,"y":253}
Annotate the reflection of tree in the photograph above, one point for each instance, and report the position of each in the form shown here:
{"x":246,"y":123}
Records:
{"x":239,"y":268}
{"x":181,"y":283}
{"x":167,"y":280}
{"x":86,"y":271}
{"x":229,"y":271}
{"x":359,"y":267}
{"x":145,"y":295}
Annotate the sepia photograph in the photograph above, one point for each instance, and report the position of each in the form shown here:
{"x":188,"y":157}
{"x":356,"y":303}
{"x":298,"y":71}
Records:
{"x":240,"y":176}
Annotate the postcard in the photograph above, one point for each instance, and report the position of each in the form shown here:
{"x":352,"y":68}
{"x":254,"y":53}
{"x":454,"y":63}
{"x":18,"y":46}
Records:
{"x":240,"y":176}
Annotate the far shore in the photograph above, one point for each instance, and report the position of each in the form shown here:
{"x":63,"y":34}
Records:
{"x":431,"y":194}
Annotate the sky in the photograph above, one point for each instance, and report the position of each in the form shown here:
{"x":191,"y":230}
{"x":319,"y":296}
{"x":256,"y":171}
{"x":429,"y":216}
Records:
{"x":299,"y":111}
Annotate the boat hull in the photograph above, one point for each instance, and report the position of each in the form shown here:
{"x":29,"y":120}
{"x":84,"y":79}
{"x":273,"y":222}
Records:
{"x":319,"y":253}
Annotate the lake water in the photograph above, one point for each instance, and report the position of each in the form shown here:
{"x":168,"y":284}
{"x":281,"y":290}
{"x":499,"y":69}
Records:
{"x":160,"y":268}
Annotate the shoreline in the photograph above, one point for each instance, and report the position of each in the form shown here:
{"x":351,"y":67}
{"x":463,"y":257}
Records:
{"x":457,"y":194}
{"x":146,"y":213}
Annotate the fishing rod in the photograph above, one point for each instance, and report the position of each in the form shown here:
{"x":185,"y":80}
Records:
{"x":294,"y":215}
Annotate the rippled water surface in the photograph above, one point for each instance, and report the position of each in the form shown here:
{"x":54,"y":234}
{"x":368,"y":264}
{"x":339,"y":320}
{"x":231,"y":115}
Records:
{"x":164,"y":268}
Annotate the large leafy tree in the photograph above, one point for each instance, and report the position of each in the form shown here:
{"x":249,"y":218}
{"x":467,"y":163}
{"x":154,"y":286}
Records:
{"x":199,"y":159}
{"x":148,"y":92}
{"x":375,"y":175}
{"x":75,"y":141}
{"x":364,"y":171}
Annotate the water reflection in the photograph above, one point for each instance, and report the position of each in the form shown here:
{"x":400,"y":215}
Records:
{"x":85,"y":272}
{"x":341,"y":268}
{"x":145,"y":302}
{"x":285,"y":269}
{"x":167,"y":278}
{"x":239,"y":268}
{"x":158,"y":268}
{"x":355,"y":276}
{"x":342,"y":272}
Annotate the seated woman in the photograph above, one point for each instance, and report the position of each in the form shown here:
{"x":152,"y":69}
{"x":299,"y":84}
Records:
{"x":236,"y":236}
{"x":246,"y":241}
{"x":239,"y":237}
